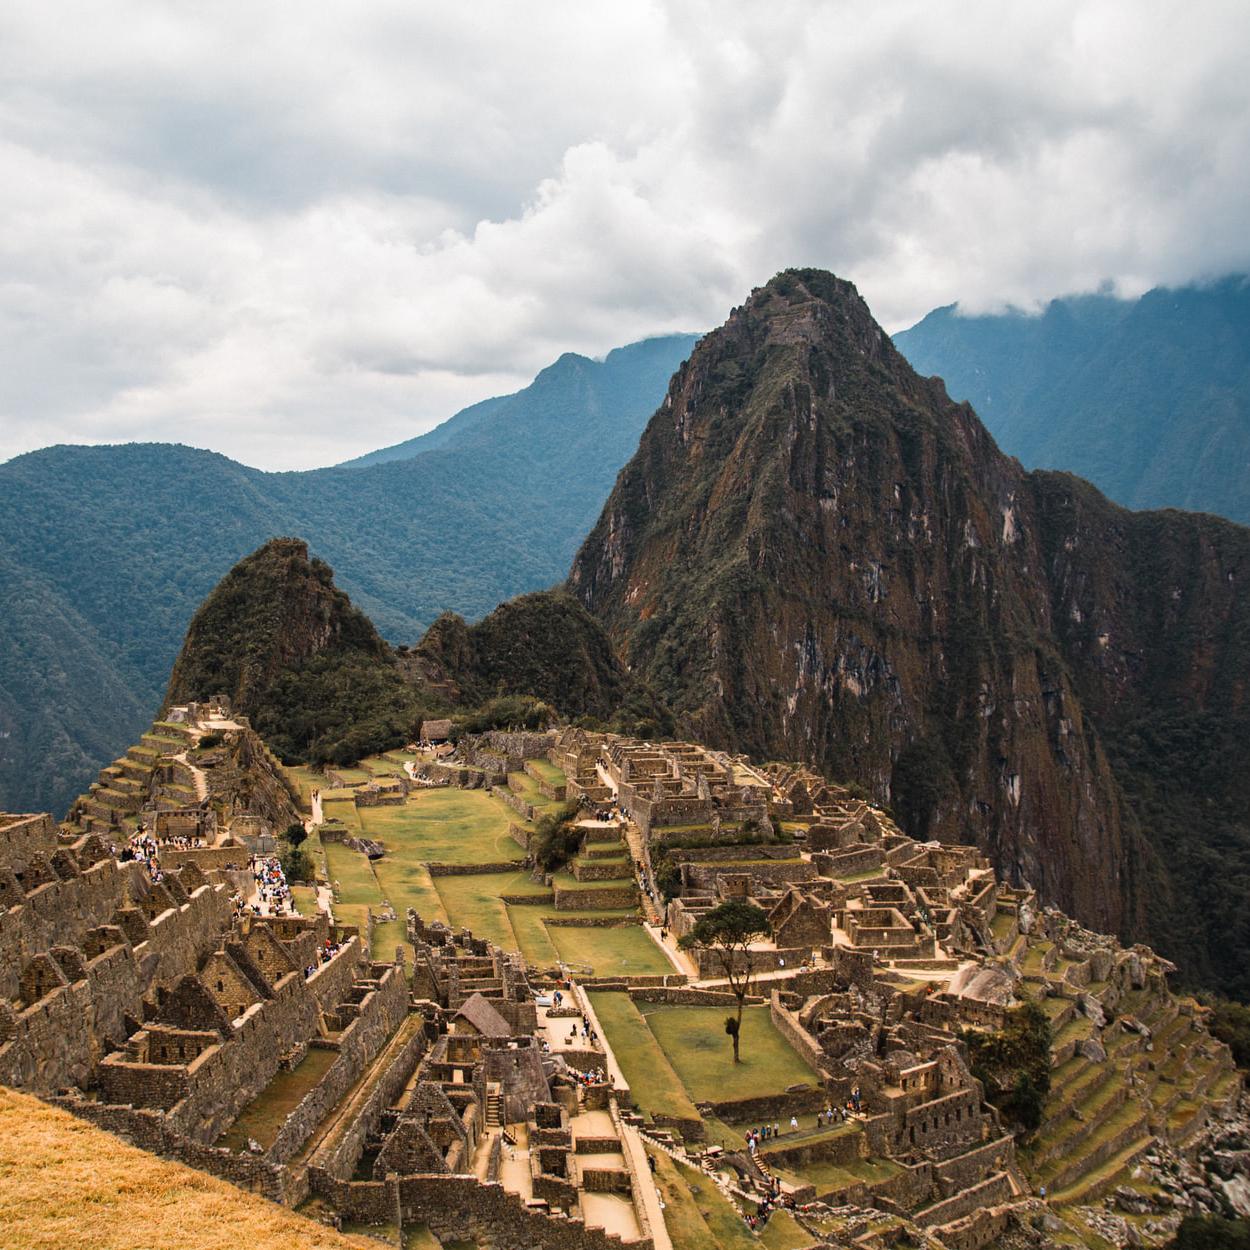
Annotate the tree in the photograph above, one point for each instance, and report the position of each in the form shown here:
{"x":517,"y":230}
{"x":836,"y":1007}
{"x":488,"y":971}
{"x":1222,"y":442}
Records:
{"x":729,"y":929}
{"x":295,"y":834}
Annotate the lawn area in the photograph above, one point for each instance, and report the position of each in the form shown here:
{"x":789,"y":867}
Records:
{"x":830,"y":1176}
{"x":343,"y":811}
{"x":356,"y":889}
{"x":611,"y":952}
{"x":444,"y":826}
{"x":473,"y":901}
{"x":351,"y":875}
{"x":265,"y":1114}
{"x":350,"y":776}
{"x":305,"y":781}
{"x":548,"y":772}
{"x":525,"y":785}
{"x":407,"y":883}
{"x":694,"y":1040}
{"x":656,"y":1086}
{"x":305,"y":899}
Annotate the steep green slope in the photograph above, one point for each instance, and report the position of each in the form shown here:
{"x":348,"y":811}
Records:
{"x":109,"y":550}
{"x":318,"y":682}
{"x":1149,"y":399}
{"x":601,"y":406}
{"x":545,"y":645}
{"x":292,"y":653}
{"x":816,"y":554}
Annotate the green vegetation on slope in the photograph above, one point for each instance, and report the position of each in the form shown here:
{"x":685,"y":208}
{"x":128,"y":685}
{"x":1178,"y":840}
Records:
{"x":105,"y":552}
{"x":1149,"y":398}
{"x":295,"y":656}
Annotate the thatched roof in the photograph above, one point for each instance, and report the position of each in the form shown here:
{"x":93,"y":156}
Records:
{"x":478,"y":1012}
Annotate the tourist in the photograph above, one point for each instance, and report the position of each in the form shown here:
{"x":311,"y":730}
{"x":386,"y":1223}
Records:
{"x":794,"y":1124}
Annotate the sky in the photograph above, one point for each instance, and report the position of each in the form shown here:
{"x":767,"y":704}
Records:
{"x":295,"y":232}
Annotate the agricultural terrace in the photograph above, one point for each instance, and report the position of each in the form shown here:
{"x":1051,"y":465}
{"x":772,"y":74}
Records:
{"x":674,"y":1057}
{"x":468,"y":827}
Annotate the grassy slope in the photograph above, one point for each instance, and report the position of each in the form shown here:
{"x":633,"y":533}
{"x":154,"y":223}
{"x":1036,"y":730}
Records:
{"x":67,"y":1185}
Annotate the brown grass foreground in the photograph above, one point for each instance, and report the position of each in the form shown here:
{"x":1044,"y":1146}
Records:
{"x":66,"y":1184}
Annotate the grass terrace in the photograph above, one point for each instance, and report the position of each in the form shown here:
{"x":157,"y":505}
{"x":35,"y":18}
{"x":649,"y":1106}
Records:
{"x":695,"y":1042}
{"x":526,"y":787}
{"x":264,"y":1116}
{"x":444,"y":826}
{"x":657,"y":1088}
{"x":623,"y":951}
{"x":548,"y":772}
{"x":700,"y":1217}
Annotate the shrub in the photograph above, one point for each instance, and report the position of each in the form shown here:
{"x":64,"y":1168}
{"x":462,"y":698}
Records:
{"x":1212,"y":1233}
{"x":1014,"y":1064}
{"x":296,"y":864}
{"x":556,"y":838}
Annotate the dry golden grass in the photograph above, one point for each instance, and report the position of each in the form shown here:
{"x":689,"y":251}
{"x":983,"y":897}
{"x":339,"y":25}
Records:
{"x":69,"y":1185}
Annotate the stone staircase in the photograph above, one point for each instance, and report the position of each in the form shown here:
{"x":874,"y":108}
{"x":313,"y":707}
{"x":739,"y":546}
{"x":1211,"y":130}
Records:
{"x":494,"y":1107}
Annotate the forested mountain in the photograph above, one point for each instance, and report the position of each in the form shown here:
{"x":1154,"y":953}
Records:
{"x":1149,"y":399}
{"x":816,"y":554}
{"x":319,"y":683}
{"x":105,"y":552}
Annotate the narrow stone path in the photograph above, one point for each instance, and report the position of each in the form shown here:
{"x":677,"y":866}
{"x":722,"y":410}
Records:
{"x":198,"y":776}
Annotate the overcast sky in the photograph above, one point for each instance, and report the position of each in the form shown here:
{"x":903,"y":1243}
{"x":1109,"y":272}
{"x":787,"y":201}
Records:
{"x":294,"y":232}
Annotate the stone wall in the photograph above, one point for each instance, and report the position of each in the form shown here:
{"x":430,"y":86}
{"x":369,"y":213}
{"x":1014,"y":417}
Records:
{"x":358,"y":1047}
{"x":150,"y":1130}
{"x":58,"y":1040}
{"x":182,"y":936}
{"x":596,"y":900}
{"x":437,"y":869}
{"x":453,"y":1206}
{"x":23,"y":835}
{"x":338,"y":1155}
{"x":787,"y":1024}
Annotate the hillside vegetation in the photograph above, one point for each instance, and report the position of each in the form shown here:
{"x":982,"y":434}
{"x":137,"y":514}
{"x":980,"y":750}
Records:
{"x":1149,"y":398}
{"x":105,"y":552}
{"x":70,"y":1185}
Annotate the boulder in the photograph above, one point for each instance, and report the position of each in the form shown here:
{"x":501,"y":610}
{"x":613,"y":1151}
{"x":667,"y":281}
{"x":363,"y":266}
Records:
{"x":1092,"y":1049}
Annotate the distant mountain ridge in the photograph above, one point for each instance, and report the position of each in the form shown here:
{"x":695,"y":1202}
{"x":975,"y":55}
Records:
{"x":106,"y":552}
{"x":617,"y":387}
{"x":1149,"y":398}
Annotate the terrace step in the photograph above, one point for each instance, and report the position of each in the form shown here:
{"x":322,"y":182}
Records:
{"x":1127,"y":1125}
{"x":1104,"y":1177}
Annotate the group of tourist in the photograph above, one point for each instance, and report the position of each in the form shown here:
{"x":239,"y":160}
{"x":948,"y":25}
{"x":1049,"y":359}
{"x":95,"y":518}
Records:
{"x":588,"y":1034}
{"x":325,"y":952}
{"x":771,"y":1202}
{"x":141,"y":847}
{"x":272,"y":892}
{"x":181,"y":842}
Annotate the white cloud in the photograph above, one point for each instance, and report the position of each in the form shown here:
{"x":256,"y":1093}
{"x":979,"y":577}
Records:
{"x":293,"y":233}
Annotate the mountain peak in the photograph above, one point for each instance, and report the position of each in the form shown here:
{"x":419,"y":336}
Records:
{"x":817,"y":554}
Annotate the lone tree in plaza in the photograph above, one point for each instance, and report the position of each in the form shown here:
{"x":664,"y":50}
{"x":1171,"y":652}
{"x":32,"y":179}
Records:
{"x":729,"y":929}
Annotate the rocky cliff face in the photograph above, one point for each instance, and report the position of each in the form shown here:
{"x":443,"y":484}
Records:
{"x":815,"y":553}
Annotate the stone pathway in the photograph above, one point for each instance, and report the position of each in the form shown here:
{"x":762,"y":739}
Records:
{"x":198,"y":776}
